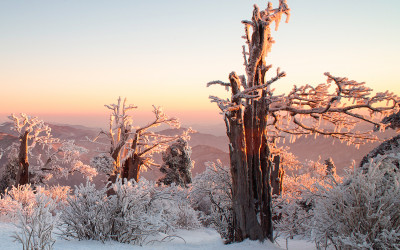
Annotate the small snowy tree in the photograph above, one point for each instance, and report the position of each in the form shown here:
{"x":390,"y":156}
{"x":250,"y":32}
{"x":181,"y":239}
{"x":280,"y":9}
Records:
{"x":254,"y":114}
{"x":34,"y":133}
{"x":177,"y":164}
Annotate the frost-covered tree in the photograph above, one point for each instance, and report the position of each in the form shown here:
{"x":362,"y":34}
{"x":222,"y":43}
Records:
{"x":254,"y":114}
{"x":131,"y":147}
{"x":177,"y":164}
{"x":57,"y":154}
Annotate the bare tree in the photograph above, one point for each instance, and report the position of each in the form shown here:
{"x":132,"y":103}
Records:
{"x":253,"y":115}
{"x":132,"y":148}
{"x":32,"y":133}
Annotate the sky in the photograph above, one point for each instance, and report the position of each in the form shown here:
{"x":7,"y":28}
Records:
{"x":63,"y":60}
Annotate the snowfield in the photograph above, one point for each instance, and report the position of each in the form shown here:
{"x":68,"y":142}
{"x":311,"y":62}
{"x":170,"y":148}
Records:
{"x":203,"y":238}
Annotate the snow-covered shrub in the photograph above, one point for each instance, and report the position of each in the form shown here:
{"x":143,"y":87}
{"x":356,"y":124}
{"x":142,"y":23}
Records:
{"x":211,"y":193}
{"x":8,"y":209}
{"x":58,"y":193}
{"x":134,"y":218}
{"x":23,"y":194}
{"x":363,"y":212}
{"x":36,"y":227}
{"x":87,"y":215}
{"x":143,"y":209}
{"x":177,"y":210}
{"x":294,"y":210}
{"x":21,"y":198}
{"x":135,"y":212}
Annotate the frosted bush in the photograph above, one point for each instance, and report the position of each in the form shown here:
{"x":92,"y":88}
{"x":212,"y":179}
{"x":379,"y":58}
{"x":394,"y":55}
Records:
{"x":134,"y":217}
{"x":177,"y":210}
{"x":87,"y":215}
{"x":17,"y":199}
{"x":143,"y":209}
{"x":23,"y":194}
{"x":135,"y":212}
{"x":293,"y":210}
{"x":211,"y":193}
{"x":8,"y":209}
{"x":364,"y":211}
{"x":35,"y":228}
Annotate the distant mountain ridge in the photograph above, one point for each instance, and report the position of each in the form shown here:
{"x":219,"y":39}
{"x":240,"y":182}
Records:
{"x":205,"y":147}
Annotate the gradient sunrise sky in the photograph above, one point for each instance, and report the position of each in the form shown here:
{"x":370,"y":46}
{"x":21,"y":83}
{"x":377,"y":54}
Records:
{"x":63,"y":60}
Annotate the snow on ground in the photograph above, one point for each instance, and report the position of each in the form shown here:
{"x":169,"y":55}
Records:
{"x":200,"y":239}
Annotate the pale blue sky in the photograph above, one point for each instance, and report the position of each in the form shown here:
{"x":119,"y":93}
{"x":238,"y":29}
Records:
{"x":71,"y":57}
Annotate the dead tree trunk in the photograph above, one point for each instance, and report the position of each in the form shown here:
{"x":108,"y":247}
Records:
{"x":246,"y":116}
{"x":277,"y":176}
{"x":131,"y":168}
{"x":23,"y":170}
{"x":115,"y":154}
{"x":250,"y":168}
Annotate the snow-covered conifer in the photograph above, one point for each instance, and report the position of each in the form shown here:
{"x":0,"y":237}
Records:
{"x":177,"y":164}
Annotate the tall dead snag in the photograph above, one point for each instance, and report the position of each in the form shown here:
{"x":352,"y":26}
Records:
{"x":254,"y":115}
{"x":132,"y":148}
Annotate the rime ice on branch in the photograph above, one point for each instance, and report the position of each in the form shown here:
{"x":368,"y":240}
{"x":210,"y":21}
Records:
{"x":254,"y":115}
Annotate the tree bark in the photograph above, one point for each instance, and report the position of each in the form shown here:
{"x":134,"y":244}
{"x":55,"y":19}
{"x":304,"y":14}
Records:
{"x":131,"y":168}
{"x":250,"y":169}
{"x":277,"y":176}
{"x":23,"y":170}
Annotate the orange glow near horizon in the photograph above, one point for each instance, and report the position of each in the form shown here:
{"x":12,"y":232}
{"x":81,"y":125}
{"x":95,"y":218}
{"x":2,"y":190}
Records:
{"x":61,"y":62}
